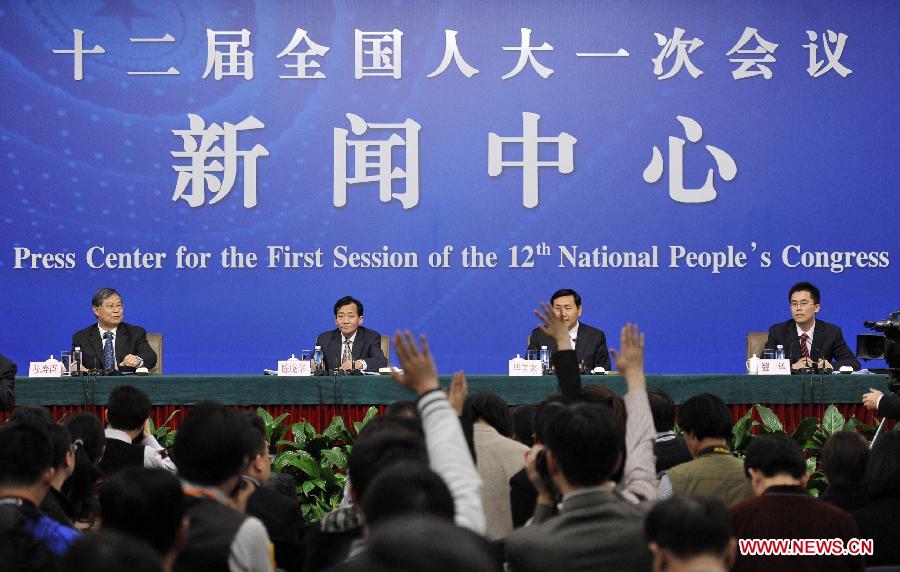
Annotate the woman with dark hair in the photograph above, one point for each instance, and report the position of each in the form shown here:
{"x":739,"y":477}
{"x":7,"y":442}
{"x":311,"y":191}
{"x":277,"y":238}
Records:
{"x":878,"y":518}
{"x":844,"y":458}
{"x":81,"y":488}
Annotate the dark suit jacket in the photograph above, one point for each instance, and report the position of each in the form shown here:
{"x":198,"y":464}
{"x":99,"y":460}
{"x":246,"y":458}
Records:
{"x":591,"y":344}
{"x":828,"y":343}
{"x":878,"y":521}
{"x":129,"y":340}
{"x":366,"y":346}
{"x":889,"y":406}
{"x":595,"y":530}
{"x":7,"y":384}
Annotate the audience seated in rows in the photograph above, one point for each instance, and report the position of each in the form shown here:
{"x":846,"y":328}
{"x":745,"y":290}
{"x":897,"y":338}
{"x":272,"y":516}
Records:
{"x":714,"y":471}
{"x":55,"y":504}
{"x":782,"y":508}
{"x":88,"y":443}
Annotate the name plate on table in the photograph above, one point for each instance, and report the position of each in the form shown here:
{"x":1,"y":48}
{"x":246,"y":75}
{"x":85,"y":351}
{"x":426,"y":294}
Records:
{"x":294,"y":367}
{"x":49,"y":368}
{"x":774,"y":367}
{"x":525,"y":367}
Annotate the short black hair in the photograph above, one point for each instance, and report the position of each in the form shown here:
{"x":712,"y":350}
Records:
{"x":602,"y":395}
{"x":662,"y":408}
{"x":587,"y":441}
{"x":127,"y":408}
{"x":407,"y":488}
{"x":844,"y":458}
{"x":566,"y":292}
{"x":705,"y":415}
{"x":380,"y":447}
{"x":145,"y":503}
{"x":210,"y":444}
{"x":883,"y":472}
{"x":546,"y":410}
{"x":490,"y":408}
{"x":25,"y":453}
{"x":102,"y":294}
{"x":805,"y":287}
{"x":348,"y":300}
{"x":111,"y":552}
{"x":689,"y":526}
{"x":60,"y":442}
{"x":523,"y":423}
{"x":88,"y":440}
{"x":31,"y":414}
{"x":256,"y":437}
{"x":403,"y":408}
{"x":775,"y":455}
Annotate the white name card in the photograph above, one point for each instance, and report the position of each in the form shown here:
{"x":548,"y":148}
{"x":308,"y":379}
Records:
{"x":525,"y":367}
{"x":774,"y":367}
{"x":49,"y":368}
{"x":294,"y":367}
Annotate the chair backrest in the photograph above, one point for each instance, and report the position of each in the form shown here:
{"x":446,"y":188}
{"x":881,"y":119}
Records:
{"x":155,"y":340}
{"x":386,"y":347}
{"x":756,"y":341}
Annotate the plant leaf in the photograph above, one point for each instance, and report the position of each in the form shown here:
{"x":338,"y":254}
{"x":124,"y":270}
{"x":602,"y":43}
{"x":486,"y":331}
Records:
{"x":307,"y":486}
{"x":740,"y":433}
{"x":770,"y":422}
{"x":266,"y":417}
{"x":806,"y":428}
{"x":336,"y":457}
{"x":832,"y":421}
{"x":811,"y":464}
{"x":333,"y":431}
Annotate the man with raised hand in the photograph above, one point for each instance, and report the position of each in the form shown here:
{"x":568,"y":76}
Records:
{"x":448,"y":454}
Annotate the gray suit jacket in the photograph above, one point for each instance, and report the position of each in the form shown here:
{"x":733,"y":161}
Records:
{"x":596,"y":530}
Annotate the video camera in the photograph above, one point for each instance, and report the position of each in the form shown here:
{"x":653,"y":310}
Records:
{"x":885,"y":347}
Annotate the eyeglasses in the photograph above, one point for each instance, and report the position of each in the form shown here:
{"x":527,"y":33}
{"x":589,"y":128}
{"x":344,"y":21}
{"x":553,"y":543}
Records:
{"x":801,"y":304}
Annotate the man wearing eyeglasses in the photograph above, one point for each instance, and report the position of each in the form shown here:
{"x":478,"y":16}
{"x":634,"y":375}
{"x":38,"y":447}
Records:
{"x":111,"y":344}
{"x":808,"y":342}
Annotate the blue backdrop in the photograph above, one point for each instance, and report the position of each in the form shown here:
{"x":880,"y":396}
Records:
{"x":89,"y":163}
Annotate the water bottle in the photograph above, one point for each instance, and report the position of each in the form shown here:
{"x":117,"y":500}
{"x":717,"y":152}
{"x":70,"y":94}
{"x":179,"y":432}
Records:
{"x":318,"y":365}
{"x":545,"y":359}
{"x":76,"y":361}
{"x":779,"y":352}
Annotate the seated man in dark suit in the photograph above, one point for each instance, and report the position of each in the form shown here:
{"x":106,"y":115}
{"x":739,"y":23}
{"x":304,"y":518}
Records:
{"x":589,"y":343}
{"x":7,"y":384}
{"x":129,"y":348}
{"x":809,"y":342}
{"x":351,"y":346}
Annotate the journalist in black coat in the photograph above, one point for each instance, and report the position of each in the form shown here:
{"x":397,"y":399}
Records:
{"x":827,"y":341}
{"x":590,"y":343}
{"x":129,"y":341}
{"x":366,"y":348}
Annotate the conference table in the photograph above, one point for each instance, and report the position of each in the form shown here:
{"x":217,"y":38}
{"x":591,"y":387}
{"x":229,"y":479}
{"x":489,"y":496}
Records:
{"x":318,"y":399}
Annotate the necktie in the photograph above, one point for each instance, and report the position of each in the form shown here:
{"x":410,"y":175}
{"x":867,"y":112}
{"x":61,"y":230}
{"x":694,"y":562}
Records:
{"x":804,"y":351}
{"x":109,"y":352}
{"x":348,"y":354}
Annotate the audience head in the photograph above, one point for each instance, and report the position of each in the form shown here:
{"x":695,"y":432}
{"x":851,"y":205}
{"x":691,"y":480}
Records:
{"x":259,"y":466}
{"x":63,"y":458}
{"x":406,"y":489}
{"x":602,"y":395}
{"x":545,"y":411}
{"x":490,"y":408}
{"x":704,"y":417}
{"x":687,"y":533}
{"x":523,"y":424}
{"x":147,"y":504}
{"x":381,"y":445}
{"x":415,"y":543}
{"x":127,"y":408}
{"x":26,"y":457}
{"x":585,"y":446}
{"x":88,"y":444}
{"x":403,"y":408}
{"x":844,"y":458}
{"x":774,"y":460}
{"x":111,"y":552}
{"x":883,"y":472}
{"x":210,"y":446}
{"x":31,"y":414}
{"x":663,"y":410}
